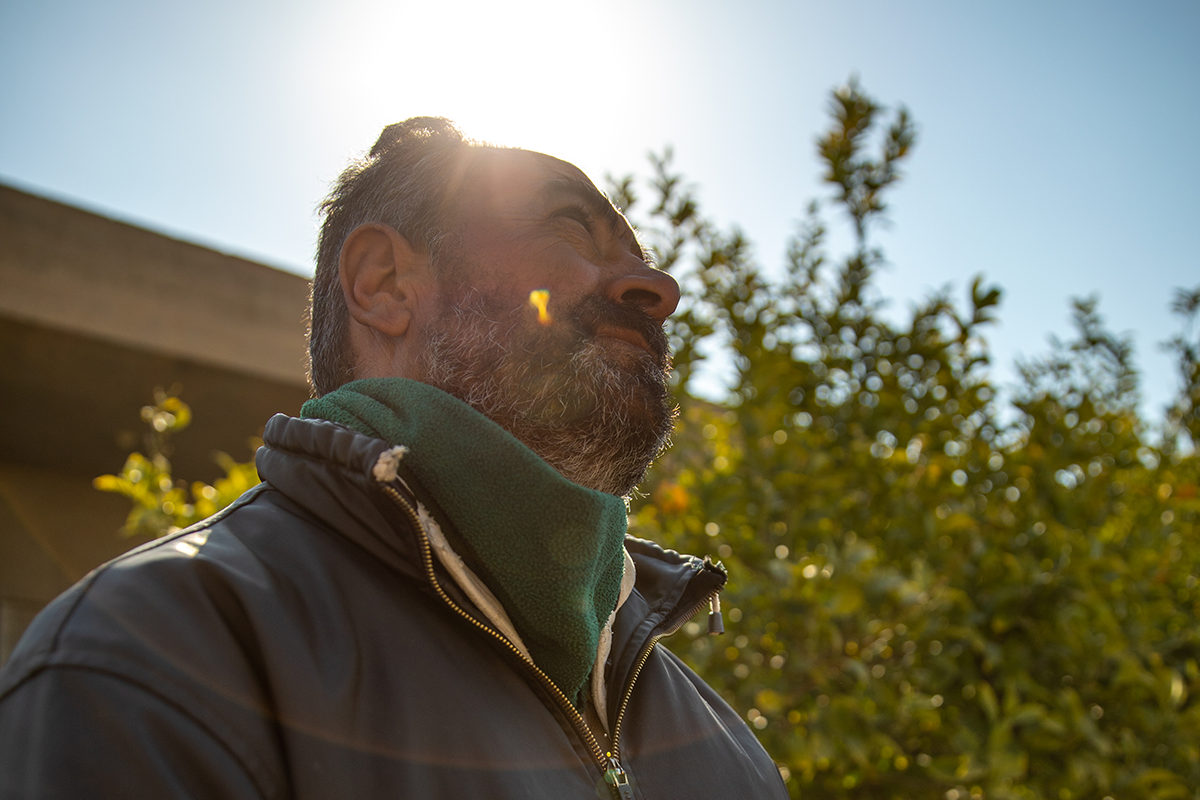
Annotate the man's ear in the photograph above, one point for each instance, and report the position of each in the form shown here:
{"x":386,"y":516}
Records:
{"x":381,"y":274}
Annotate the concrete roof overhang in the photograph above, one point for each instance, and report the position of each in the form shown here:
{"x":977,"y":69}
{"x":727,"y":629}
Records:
{"x":95,"y":314}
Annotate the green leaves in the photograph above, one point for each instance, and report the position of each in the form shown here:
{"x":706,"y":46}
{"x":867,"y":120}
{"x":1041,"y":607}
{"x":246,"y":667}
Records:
{"x":160,"y":503}
{"x":930,"y":596}
{"x":861,"y":181}
{"x":1184,"y":416}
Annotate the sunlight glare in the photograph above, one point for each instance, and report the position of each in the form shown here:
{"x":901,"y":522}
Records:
{"x":539,"y":299}
{"x":533,"y":74}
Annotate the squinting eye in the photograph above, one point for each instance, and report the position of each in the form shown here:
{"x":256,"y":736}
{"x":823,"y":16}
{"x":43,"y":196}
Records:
{"x":577,"y":214}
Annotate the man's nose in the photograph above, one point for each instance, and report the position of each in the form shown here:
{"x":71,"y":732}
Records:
{"x":651,"y":290}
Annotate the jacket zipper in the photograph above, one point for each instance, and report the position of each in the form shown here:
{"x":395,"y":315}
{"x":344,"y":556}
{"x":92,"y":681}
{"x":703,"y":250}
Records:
{"x":609,"y":763}
{"x":644,"y":656}
{"x":606,"y":762}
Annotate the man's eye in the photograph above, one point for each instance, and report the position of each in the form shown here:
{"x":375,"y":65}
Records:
{"x":576,"y":213}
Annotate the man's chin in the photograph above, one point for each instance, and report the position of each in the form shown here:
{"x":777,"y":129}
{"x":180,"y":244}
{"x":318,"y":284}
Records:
{"x":600,"y":424}
{"x":632,"y":419}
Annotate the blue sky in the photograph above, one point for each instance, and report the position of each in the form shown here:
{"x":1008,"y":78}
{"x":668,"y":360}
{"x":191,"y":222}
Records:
{"x":1057,"y":152}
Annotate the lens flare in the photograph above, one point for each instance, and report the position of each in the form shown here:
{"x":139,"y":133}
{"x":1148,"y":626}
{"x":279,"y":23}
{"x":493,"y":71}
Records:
{"x":539,"y":299}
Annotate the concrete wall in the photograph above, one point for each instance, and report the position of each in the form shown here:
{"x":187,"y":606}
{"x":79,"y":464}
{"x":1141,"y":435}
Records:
{"x":68,"y":269}
{"x":94,"y":315}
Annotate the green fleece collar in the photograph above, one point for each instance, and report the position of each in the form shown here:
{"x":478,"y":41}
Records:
{"x":550,"y":550}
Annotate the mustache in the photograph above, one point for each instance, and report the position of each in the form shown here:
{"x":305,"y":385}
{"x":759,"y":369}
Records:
{"x":596,"y":311}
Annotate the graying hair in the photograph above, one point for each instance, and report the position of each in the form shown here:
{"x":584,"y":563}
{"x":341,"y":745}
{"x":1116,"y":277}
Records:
{"x":409,"y":181}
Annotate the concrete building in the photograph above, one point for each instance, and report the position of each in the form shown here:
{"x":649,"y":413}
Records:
{"x":94,"y":315}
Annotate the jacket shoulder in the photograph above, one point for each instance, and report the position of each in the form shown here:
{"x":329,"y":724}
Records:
{"x":160,"y":634}
{"x":154,"y":592}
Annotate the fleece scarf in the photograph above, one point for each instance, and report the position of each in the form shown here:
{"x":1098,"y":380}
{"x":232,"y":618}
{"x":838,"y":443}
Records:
{"x":551,"y":551}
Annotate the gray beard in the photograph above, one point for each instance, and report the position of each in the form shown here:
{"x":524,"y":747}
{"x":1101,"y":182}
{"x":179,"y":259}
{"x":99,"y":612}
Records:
{"x":597,"y":417}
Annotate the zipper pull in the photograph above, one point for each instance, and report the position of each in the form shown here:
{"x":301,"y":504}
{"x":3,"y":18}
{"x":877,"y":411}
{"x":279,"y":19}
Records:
{"x":716,"y":623}
{"x":618,"y":779}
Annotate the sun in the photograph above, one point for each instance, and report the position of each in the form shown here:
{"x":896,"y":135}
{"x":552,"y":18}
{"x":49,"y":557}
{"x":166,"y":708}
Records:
{"x":533,"y":74}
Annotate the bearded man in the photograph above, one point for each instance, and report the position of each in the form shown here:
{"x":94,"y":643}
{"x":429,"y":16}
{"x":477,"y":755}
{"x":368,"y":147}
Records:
{"x":431,"y":594}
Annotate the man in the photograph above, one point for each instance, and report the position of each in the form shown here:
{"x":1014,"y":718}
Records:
{"x":431,"y":594}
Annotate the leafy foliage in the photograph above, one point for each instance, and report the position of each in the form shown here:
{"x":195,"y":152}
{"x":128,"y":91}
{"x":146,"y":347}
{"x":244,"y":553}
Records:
{"x":1185,"y":414}
{"x":161,"y":504}
{"x":933,"y":594}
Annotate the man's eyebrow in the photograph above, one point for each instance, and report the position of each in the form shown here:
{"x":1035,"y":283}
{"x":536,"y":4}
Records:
{"x":584,"y":192}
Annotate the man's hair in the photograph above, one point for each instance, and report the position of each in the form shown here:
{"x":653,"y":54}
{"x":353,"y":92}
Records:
{"x":408,"y":181}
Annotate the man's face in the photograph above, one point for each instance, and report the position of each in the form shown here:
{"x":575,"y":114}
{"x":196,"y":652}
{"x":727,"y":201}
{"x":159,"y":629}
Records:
{"x":587,"y":388}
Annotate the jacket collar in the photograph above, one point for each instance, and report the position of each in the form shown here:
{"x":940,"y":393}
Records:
{"x":326,"y":470}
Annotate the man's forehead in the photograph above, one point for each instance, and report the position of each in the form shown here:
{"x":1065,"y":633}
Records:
{"x":508,"y":183}
{"x":516,"y":175}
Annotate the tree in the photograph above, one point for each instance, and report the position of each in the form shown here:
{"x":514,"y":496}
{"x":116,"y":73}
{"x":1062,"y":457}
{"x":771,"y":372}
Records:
{"x":925,"y":600}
